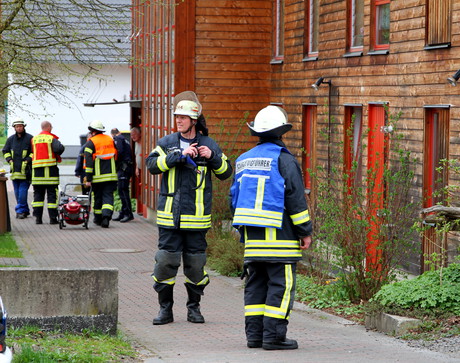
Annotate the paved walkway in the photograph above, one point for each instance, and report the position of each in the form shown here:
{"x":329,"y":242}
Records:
{"x":130,"y":247}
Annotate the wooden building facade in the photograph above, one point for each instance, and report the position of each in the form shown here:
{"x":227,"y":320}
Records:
{"x":366,"y":57}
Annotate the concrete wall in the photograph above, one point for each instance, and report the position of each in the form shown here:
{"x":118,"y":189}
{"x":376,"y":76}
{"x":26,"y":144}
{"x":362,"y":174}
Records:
{"x":67,"y":299}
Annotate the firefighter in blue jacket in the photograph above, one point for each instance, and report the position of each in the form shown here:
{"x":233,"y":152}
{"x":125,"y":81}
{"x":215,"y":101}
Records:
{"x":186,"y":159}
{"x":271,"y":213}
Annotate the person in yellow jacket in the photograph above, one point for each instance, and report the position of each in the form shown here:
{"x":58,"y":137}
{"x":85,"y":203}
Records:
{"x":47,"y":151}
{"x":101,"y":172}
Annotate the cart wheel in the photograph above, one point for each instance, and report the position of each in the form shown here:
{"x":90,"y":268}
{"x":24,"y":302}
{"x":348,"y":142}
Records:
{"x":61,"y":224}
{"x":86,"y":224}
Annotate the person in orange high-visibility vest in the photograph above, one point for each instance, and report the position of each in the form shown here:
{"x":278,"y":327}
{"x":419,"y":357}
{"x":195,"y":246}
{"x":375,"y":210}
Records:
{"x":101,"y":172}
{"x":46,"y":150}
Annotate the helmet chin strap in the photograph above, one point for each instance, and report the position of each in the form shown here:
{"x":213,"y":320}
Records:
{"x":191,"y":126}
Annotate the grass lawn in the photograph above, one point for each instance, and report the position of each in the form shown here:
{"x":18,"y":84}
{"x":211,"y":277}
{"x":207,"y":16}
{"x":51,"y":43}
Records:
{"x":8,"y":247}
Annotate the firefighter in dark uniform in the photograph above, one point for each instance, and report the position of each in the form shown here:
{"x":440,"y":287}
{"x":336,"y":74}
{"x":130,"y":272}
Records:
{"x":47,"y":150}
{"x":187,"y":159}
{"x":18,"y":153}
{"x":125,"y":172}
{"x":101,"y":172}
{"x":272,"y":216}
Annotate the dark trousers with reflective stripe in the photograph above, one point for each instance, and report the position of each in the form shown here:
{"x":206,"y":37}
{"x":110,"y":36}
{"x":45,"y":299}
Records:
{"x":103,"y":198}
{"x":125,"y":198}
{"x":268,"y":299}
{"x":51,"y":192}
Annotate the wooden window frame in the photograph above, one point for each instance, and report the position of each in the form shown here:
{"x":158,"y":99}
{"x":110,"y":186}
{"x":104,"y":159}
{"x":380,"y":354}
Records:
{"x":278,"y":31}
{"x":309,"y":116}
{"x":375,"y":24}
{"x":436,"y":148}
{"x":438,"y":28}
{"x":309,"y":28}
{"x":352,"y":14}
{"x":353,"y":146}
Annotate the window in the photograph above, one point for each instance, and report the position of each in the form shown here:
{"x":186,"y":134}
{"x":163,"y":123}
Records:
{"x":353,"y":145}
{"x":308,"y":137}
{"x":438,"y":22}
{"x":355,"y":25}
{"x":311,"y":28}
{"x":436,"y":144}
{"x":380,"y":23}
{"x":278,"y":39}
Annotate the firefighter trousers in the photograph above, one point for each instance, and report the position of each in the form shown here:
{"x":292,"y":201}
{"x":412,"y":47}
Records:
{"x":268,"y":298}
{"x":51,"y":192}
{"x":174,"y":245}
{"x":103,"y":198}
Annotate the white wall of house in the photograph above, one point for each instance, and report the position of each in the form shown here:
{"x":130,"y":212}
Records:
{"x":71,"y":119}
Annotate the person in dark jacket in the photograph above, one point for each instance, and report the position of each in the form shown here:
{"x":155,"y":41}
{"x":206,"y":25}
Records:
{"x":18,"y":153}
{"x":47,"y":151}
{"x":271,"y":213}
{"x":80,"y":167}
{"x":186,"y":159}
{"x":125,"y":172}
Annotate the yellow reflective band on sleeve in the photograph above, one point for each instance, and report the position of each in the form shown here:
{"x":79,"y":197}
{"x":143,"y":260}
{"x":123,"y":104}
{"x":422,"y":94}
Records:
{"x":89,"y":170}
{"x":88,"y":150}
{"x":253,"y":310}
{"x":161,"y":163}
{"x":7,"y":155}
{"x":223,"y":168}
{"x":300,"y":218}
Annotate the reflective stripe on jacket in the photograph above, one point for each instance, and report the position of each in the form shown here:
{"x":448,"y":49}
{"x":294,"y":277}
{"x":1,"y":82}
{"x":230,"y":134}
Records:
{"x":100,"y":159}
{"x":43,"y":154}
{"x":46,"y":155}
{"x":258,"y":191}
{"x":186,"y":190}
{"x":18,"y":153}
{"x":269,"y":243}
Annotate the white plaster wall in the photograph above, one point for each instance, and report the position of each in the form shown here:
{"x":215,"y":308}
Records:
{"x":71,"y":120}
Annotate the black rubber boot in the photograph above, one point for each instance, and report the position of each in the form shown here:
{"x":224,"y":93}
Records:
{"x":280,"y":345}
{"x":165,"y":298}
{"x":193,"y":306}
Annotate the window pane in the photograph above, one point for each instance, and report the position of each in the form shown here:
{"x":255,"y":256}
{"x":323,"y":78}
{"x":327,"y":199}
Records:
{"x":383,"y":24}
{"x":314,"y":25}
{"x":358,"y":23}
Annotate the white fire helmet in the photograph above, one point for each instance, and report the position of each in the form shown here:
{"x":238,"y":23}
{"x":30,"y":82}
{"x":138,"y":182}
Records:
{"x":271,"y":121}
{"x":19,"y":121}
{"x":188,"y":108}
{"x":96,"y":125}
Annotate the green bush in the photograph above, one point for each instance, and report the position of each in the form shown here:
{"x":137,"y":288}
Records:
{"x":438,"y":290}
{"x":225,"y":252}
{"x":331,"y":294}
